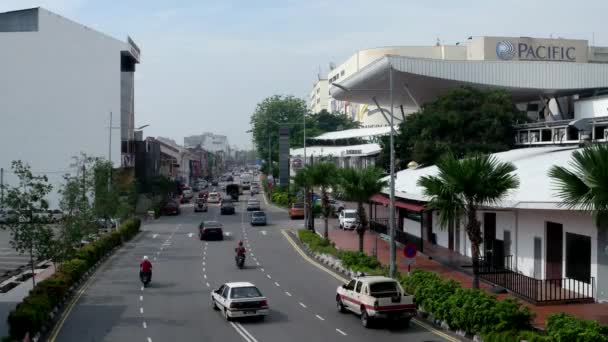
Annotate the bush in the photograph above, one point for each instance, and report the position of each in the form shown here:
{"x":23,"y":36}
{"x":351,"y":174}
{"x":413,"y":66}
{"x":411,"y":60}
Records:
{"x":54,"y":288}
{"x":465,"y":309}
{"x":360,"y":262}
{"x":562,"y":327}
{"x":73,"y":269}
{"x":317,"y":243}
{"x":129,"y":228}
{"x":515,"y":336}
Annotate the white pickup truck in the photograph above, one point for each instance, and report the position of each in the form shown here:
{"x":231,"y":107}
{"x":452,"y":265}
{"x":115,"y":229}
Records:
{"x":376,"y":297}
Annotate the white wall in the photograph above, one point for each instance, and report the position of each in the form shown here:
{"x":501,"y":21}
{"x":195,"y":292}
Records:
{"x":56,"y":91}
{"x":591,"y":107}
{"x":411,"y":227}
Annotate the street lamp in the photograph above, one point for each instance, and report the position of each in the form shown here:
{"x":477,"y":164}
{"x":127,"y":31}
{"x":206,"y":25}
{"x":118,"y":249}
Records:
{"x":393,"y":247}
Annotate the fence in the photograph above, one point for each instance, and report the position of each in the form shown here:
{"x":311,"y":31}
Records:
{"x":381,"y":226}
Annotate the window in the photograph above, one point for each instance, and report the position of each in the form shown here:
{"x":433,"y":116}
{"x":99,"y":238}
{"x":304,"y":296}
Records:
{"x":358,"y":288}
{"x":245,"y":292}
{"x":578,"y":257}
{"x":342,"y":73}
{"x":351,"y":285}
{"x":225,"y":292}
{"x":413,"y":215}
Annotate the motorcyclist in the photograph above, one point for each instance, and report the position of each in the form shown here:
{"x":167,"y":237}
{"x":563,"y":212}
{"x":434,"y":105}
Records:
{"x":145,"y":268}
{"x":240,"y":251}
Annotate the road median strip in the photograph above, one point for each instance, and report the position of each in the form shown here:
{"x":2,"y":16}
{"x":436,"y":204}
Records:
{"x":333,"y":272}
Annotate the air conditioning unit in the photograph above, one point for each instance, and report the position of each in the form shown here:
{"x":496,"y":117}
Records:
{"x":605,"y":133}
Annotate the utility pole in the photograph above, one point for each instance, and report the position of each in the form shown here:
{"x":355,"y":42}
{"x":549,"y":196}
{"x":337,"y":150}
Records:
{"x":110,"y":156}
{"x":393,"y":247}
{"x":1,"y":186}
{"x":306,"y":204}
{"x":84,"y":183}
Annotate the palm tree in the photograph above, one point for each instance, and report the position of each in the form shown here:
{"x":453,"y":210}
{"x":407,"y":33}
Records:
{"x":304,"y":179}
{"x":358,"y":186}
{"x":324,"y":175}
{"x":463,"y":186}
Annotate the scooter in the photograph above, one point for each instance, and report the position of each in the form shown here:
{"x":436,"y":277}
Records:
{"x":240,"y":261}
{"x":145,"y":278}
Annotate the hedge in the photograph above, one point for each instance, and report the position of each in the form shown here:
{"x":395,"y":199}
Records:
{"x":33,"y":313}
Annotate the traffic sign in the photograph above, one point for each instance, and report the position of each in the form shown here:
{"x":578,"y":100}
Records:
{"x":409,"y":250}
{"x":410,"y":261}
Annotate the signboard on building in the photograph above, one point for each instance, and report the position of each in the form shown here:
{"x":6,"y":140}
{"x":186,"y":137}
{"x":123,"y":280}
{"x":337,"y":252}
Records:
{"x":353,"y":152}
{"x":533,"y":49}
{"x":127,"y":160}
{"x":296,"y":164}
{"x":284,"y":155}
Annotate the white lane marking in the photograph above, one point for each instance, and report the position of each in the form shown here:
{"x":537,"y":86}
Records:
{"x":251,"y":253}
{"x":257,"y":263}
{"x":269,"y":277}
{"x":154,"y":236}
{"x":190,"y":235}
{"x":206,"y":243}
{"x":141,"y":310}
{"x":302,"y":305}
{"x":319,"y":317}
{"x":277,"y":284}
{"x":341,"y":332}
{"x":247,"y":333}
{"x":205,"y":276}
{"x":149,"y":339}
{"x":204,"y":269}
{"x":208,"y":285}
{"x":145,"y":325}
{"x":203,"y":263}
{"x":287,"y":293}
{"x":227,"y":233}
{"x":154,"y":258}
{"x":142,"y":288}
{"x":141,"y":298}
{"x":157,"y":253}
{"x":262,"y":269}
{"x":238,"y":330}
{"x":263,"y":232}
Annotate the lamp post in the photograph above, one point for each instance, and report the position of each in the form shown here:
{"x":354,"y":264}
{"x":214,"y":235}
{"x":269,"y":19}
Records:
{"x":393,"y":246}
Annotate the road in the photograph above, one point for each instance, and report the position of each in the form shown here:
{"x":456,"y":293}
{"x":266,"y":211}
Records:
{"x":114,"y":307}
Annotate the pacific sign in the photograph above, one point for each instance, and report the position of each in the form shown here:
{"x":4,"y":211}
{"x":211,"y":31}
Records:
{"x":506,"y":50}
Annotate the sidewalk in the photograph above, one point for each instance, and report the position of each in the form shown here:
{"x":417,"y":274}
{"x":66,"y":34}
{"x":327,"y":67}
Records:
{"x":348,"y":240}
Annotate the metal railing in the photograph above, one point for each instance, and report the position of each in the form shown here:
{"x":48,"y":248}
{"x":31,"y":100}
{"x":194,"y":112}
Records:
{"x":537,"y":291}
{"x":380,"y":226}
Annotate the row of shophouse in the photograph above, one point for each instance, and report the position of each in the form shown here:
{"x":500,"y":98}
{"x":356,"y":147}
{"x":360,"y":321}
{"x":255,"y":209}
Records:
{"x":532,"y":245}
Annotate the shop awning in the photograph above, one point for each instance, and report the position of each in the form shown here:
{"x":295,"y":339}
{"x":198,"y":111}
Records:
{"x":378,"y":198}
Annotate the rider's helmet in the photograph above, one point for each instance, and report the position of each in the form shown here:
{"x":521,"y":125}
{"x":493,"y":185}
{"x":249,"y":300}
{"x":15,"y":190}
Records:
{"x":145,"y":257}
{"x":241,"y":243}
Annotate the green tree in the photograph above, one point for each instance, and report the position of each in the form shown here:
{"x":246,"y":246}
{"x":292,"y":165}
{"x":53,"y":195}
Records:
{"x":30,"y":231}
{"x":325,"y":121}
{"x":324,"y":175}
{"x":106,"y":201}
{"x":358,"y":185}
{"x":464,"y":121}
{"x":272,"y":113}
{"x":464,"y":186}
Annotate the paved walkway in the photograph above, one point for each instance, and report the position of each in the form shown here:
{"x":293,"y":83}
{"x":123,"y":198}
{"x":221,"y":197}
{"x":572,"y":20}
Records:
{"x":348,"y":240}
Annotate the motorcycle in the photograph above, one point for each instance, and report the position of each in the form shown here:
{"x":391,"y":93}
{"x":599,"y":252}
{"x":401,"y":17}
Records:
{"x":145,"y":278}
{"x":240,"y":261}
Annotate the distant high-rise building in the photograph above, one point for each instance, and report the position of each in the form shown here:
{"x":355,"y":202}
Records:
{"x":208,"y":141}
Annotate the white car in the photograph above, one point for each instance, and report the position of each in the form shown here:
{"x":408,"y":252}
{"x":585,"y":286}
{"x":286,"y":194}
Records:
{"x":374,"y":297}
{"x":348,"y":219}
{"x":241,"y":299}
{"x":214,"y":197}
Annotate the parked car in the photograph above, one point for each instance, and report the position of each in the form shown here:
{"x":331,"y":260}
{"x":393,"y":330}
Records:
{"x":258,"y":218}
{"x":170,"y":208}
{"x":209,"y":230}
{"x":336,"y":205}
{"x":187,"y":193}
{"x":214,"y":182}
{"x":201,"y":205}
{"x":376,"y":297}
{"x":242,"y":299}
{"x":296,"y":211}
{"x":348,"y":219}
{"x":7,"y":215}
{"x":214,"y":197}
{"x":227,"y":207}
{"x":253,"y":205}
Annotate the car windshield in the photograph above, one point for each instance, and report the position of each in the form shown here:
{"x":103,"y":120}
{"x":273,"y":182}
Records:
{"x":350,"y":215}
{"x":258,"y":214}
{"x":245,"y":292}
{"x":211,"y":224}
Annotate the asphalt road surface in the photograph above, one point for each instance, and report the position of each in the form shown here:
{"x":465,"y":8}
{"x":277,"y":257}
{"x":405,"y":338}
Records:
{"x":176,"y":306}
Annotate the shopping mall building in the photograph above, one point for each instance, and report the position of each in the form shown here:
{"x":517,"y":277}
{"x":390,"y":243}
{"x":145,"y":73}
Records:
{"x":532,"y":245}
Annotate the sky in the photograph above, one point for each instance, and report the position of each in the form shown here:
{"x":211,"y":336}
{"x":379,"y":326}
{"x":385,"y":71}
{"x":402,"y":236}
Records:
{"x":205,"y":64}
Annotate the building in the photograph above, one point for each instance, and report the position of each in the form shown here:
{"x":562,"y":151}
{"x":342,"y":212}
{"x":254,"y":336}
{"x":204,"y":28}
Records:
{"x":532,"y":246}
{"x":208,"y":141}
{"x":319,"y":95}
{"x":63,"y":85}
{"x":545,"y":75}
{"x":147,"y":161}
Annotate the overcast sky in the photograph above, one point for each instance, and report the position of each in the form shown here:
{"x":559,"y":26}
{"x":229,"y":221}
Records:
{"x":206,"y":64}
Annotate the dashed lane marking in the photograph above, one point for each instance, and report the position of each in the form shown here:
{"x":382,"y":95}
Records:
{"x":142,"y":288}
{"x":154,"y":236}
{"x":341,"y":332}
{"x":205,"y":276}
{"x":319,"y":317}
{"x":141,"y":310}
{"x":268,"y":276}
{"x":261,"y":269}
{"x":287,"y":293}
{"x":190,"y":235}
{"x":302,"y":305}
{"x":208,"y":285}
{"x":141,"y":298}
{"x":149,"y":339}
{"x":277,"y":284}
{"x":145,"y":325}
{"x":257,"y":263}
{"x":342,"y":279}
